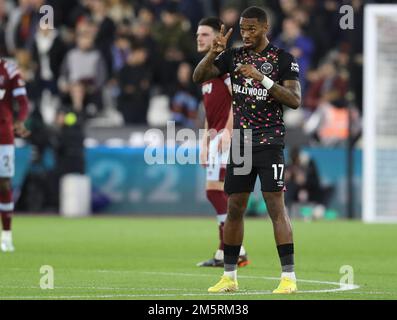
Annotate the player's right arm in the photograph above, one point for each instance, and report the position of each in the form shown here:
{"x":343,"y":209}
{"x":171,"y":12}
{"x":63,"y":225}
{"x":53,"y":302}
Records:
{"x":19,"y":93}
{"x":206,"y":69}
{"x":20,"y":96}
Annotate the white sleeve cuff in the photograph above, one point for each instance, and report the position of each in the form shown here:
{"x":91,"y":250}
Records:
{"x":19,"y":92}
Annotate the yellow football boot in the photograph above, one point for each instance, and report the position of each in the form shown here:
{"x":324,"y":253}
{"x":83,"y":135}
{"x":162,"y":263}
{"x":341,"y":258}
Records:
{"x":286,"y":286}
{"x":226,"y":284}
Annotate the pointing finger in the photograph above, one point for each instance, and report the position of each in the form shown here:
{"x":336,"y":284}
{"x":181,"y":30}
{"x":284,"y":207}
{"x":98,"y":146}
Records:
{"x":222,"y":29}
{"x":228,"y":34}
{"x":239,"y":65}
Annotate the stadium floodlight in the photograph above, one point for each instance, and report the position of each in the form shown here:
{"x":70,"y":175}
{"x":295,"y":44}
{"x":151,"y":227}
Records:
{"x":380,"y":114}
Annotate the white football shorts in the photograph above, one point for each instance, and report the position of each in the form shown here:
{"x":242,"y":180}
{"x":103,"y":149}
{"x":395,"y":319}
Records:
{"x":7,"y":160}
{"x":217,"y":161}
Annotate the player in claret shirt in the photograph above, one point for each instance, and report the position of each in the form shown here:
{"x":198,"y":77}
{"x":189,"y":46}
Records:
{"x":12,"y":87}
{"x":214,"y":153}
{"x":264,"y":78}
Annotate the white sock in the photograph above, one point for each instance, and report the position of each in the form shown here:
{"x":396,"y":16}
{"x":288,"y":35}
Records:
{"x":290,"y":275}
{"x":6,"y":236}
{"x":221,"y":218}
{"x":219,"y":254}
{"x":242,"y":251}
{"x":231,"y":274}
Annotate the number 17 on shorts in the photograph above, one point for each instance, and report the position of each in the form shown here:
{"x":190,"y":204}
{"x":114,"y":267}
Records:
{"x":278,"y":173}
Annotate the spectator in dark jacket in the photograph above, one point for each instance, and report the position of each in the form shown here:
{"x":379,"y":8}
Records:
{"x":175,"y":43}
{"x":134,"y":82}
{"x":48,"y":53}
{"x":106,"y":31}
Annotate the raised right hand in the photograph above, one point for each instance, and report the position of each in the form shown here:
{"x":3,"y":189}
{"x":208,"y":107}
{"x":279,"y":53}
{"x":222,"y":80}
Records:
{"x":220,"y":42}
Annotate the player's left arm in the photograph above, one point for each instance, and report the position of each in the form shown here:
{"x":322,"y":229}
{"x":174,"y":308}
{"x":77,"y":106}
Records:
{"x":288,"y":94}
{"x":288,"y":90}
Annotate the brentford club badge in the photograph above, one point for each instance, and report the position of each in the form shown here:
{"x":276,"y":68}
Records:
{"x":266,"y":68}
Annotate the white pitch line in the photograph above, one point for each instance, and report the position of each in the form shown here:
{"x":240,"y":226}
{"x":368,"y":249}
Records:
{"x":242,"y":293}
{"x":166,"y":295}
{"x":373,"y":293}
{"x":206,"y":275}
{"x":103,"y":288}
{"x":342,"y":287}
{"x":170,"y":295}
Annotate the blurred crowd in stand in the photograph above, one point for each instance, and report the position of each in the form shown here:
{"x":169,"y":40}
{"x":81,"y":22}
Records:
{"x":128,"y":62}
{"x":114,"y":63}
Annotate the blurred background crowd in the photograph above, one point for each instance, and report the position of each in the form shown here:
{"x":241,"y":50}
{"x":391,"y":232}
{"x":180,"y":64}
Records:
{"x":126,"y":65}
{"x":129,"y":62}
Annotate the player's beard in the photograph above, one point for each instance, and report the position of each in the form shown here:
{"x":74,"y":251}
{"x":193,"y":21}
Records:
{"x":249,"y":45}
{"x":254,"y":43}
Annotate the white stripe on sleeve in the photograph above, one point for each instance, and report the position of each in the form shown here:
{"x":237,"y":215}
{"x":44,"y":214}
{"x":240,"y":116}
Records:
{"x":19,"y":92}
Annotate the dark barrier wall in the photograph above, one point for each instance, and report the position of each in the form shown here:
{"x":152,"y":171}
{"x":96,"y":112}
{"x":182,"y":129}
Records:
{"x":125,"y":184}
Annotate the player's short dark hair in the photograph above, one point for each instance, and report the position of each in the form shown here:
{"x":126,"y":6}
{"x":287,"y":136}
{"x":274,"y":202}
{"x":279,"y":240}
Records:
{"x":255,"y":12}
{"x":213,"y":22}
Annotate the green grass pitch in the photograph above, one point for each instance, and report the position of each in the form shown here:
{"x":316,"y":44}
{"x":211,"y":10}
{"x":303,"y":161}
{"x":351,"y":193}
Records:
{"x":155,"y":258}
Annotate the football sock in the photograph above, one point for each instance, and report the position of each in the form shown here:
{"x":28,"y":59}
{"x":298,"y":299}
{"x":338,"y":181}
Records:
{"x":218,"y":200}
{"x":219,"y":255}
{"x":6,"y":236}
{"x":231,"y":274}
{"x":6,"y":221}
{"x":6,"y":207}
{"x":290,"y":275}
{"x":220,"y":230}
{"x":286,"y":254}
{"x":230,"y":261}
